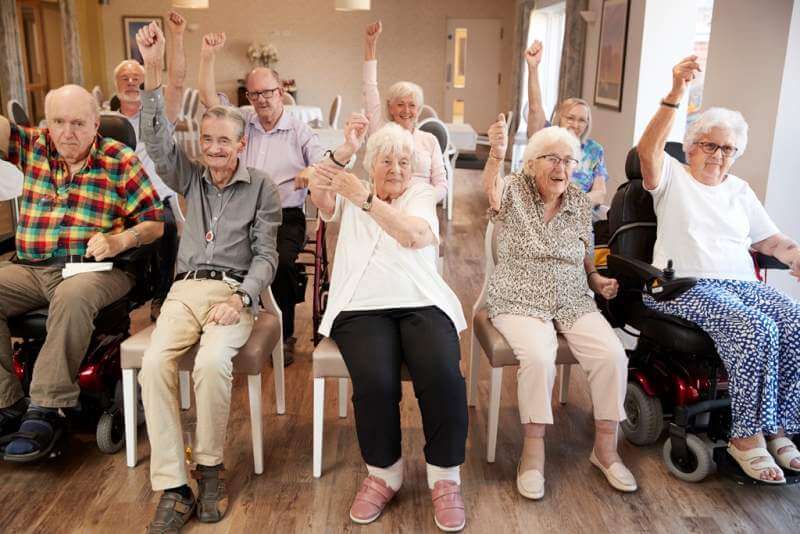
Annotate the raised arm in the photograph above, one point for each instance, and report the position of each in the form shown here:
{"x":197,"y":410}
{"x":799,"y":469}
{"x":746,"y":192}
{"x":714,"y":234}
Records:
{"x":207,"y":83}
{"x":654,"y":138}
{"x":176,"y":73}
{"x":536,"y":118}
{"x":172,"y":164}
{"x":493,"y":170}
{"x":372,"y":98}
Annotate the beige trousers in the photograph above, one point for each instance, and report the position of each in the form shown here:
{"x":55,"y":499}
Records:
{"x":594,"y":344}
{"x":181,"y":326}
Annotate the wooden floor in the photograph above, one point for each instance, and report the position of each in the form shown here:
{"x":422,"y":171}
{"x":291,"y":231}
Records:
{"x":88,"y":491}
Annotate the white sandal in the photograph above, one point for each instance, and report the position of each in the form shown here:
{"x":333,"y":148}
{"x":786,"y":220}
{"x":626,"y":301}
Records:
{"x":785,"y":458}
{"x":754,"y":462}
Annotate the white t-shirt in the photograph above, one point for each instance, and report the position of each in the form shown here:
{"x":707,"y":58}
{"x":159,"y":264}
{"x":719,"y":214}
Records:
{"x":398,"y":276}
{"x":707,"y":230}
{"x":10,"y":181}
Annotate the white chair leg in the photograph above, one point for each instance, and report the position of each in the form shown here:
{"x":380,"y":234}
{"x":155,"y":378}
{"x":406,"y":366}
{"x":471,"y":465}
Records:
{"x":563,"y":382}
{"x":450,"y":195}
{"x":343,"y":397}
{"x":131,"y":409}
{"x":256,"y":416}
{"x":494,"y":412}
{"x":185,"y":387}
{"x":319,"y":419}
{"x":474,"y":370}
{"x":278,"y":375}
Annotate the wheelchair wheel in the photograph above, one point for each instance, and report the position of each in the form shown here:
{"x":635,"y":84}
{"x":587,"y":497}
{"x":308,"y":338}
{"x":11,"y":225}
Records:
{"x":110,"y":432}
{"x":699,"y":465}
{"x":645,"y":418}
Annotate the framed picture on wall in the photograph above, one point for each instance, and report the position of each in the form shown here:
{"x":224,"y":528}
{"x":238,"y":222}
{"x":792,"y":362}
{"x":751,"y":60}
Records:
{"x":131,"y":25}
{"x":611,"y":54}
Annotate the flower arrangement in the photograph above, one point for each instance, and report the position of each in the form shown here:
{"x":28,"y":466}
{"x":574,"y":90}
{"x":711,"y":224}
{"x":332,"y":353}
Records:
{"x":262,"y":55}
{"x":289,"y":85}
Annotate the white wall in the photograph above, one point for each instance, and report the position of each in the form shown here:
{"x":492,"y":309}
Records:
{"x":784,"y":180}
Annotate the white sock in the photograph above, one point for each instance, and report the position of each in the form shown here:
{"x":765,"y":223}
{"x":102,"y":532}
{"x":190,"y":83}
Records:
{"x":435,"y":474}
{"x":392,"y":475}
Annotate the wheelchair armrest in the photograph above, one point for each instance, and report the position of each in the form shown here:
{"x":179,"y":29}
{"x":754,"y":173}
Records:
{"x":768,"y":262}
{"x":653,"y":280}
{"x":135,"y":255}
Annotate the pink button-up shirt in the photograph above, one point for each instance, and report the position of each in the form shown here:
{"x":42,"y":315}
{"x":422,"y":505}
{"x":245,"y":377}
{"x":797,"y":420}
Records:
{"x":428,"y":165}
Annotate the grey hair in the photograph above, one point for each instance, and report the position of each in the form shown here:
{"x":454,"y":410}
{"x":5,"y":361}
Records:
{"x":723,"y":118}
{"x":567,"y":105}
{"x":547,"y":137}
{"x":128,"y":63}
{"x":389,"y":139}
{"x":229,"y":113}
{"x":403,"y":89}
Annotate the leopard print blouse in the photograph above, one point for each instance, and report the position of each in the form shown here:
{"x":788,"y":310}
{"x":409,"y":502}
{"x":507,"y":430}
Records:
{"x":539,"y":271}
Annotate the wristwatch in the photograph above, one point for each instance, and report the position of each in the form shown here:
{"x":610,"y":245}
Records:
{"x":367,"y":204}
{"x":246,"y":301}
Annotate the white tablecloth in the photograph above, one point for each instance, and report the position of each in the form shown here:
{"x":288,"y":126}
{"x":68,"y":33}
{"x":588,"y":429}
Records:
{"x":463,"y":136}
{"x":305,"y":113}
{"x":330,"y":138}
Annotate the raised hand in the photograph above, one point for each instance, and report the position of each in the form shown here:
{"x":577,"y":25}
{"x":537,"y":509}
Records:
{"x":372,"y":32}
{"x":212,"y":43}
{"x":533,"y":55}
{"x":355,"y":130}
{"x":175,"y":22}
{"x":150,"y":40}
{"x":498,"y":137}
{"x":330,"y":178}
{"x":683,"y":73}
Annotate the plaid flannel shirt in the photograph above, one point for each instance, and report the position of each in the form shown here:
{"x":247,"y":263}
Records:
{"x":58,"y":213}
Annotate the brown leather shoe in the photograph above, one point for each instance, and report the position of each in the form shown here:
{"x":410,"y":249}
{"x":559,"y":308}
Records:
{"x":212,"y":496}
{"x":172,"y":512}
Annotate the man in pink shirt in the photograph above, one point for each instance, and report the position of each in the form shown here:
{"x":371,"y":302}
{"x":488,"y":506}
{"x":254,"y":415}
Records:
{"x":282,"y":146}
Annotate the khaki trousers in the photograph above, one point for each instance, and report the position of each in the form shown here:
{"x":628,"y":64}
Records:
{"x":73,"y":305}
{"x":594,"y":344}
{"x":182,"y":325}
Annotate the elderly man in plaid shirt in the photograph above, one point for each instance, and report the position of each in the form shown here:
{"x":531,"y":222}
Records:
{"x":83,"y":196}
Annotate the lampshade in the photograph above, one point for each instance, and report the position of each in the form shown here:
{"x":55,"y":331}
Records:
{"x":352,"y":5}
{"x":190,"y":4}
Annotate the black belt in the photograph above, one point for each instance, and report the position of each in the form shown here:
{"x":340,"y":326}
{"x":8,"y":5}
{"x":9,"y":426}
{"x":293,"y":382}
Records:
{"x":53,"y":261}
{"x":208,"y":274}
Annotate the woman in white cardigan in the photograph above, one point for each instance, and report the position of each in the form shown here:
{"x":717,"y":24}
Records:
{"x":389,"y":307}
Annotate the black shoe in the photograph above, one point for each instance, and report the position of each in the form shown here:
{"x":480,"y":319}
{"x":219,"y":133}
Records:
{"x":11,"y":417}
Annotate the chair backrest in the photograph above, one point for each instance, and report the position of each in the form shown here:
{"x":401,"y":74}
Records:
{"x":493,"y":230}
{"x":631,"y":218}
{"x":114,"y":104}
{"x":117,"y":127}
{"x":17,"y":114}
{"x":426,"y":112}
{"x":185,"y":103}
{"x":194,"y":104}
{"x":512,"y":124}
{"x":333,"y":115}
{"x":97,"y":93}
{"x":288,"y":100}
{"x":436,"y":127}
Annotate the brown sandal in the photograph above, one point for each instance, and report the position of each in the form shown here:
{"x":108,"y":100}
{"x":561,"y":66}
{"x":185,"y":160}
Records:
{"x":212,"y":495}
{"x":172,"y":513}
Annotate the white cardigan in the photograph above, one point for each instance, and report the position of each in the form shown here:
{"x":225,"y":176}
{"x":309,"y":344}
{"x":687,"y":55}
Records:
{"x":358,"y":236}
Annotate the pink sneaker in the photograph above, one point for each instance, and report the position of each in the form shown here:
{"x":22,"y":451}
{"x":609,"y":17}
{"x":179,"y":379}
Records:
{"x":371,"y":499}
{"x":448,"y":506}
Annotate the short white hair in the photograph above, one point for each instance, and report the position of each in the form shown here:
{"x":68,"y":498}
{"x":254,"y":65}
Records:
{"x":228,"y":113}
{"x":722,"y":118}
{"x":402,"y":90}
{"x":547,"y":137}
{"x":389,"y":139}
{"x":128,"y":63}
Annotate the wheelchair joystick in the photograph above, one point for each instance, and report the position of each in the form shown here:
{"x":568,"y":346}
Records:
{"x":669,"y":272}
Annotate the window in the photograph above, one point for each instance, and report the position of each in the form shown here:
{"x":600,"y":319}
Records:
{"x":460,"y":59}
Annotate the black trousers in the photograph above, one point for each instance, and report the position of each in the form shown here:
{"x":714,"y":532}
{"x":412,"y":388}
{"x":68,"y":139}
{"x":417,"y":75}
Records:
{"x":289,"y":281}
{"x":374,"y":344}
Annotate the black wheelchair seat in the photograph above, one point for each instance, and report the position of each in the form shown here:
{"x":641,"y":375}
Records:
{"x":112,"y":319}
{"x":669,"y":331}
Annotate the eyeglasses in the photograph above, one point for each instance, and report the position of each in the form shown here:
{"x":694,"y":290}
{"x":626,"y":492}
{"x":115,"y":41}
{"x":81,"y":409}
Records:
{"x":576,"y":120}
{"x":555,"y":161}
{"x":266,"y":93}
{"x":711,"y":148}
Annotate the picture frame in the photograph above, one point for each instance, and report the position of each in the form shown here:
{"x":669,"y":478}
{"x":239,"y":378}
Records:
{"x":131,"y":25}
{"x":611,"y":52}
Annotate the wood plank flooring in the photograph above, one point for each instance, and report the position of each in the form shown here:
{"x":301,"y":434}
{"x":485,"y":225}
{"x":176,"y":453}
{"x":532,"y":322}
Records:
{"x":87,"y":491}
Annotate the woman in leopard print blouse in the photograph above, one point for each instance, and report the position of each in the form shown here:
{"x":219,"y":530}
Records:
{"x":540,"y":288}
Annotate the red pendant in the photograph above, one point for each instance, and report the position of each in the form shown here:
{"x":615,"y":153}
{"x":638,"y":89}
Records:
{"x":209,"y":236}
